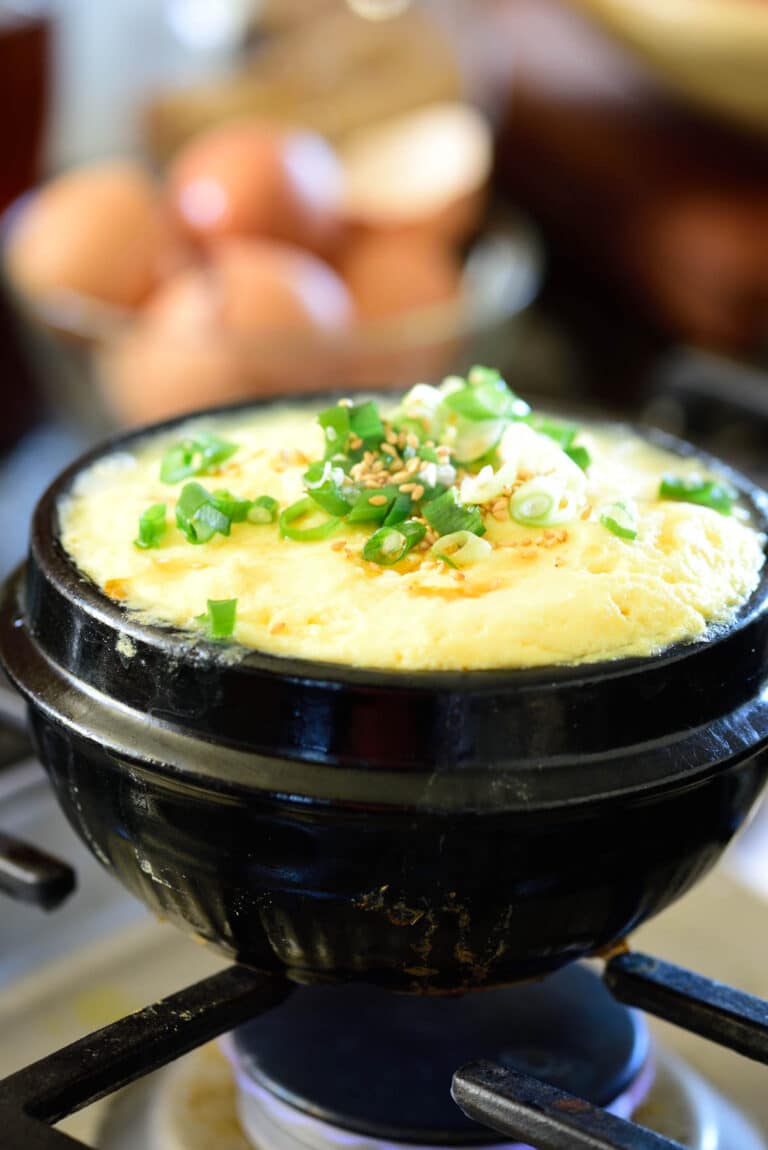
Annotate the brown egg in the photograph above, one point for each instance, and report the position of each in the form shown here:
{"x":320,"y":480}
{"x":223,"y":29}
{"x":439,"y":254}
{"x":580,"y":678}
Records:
{"x":269,"y":287}
{"x":425,"y":171}
{"x":392,"y":275}
{"x":214,"y":333}
{"x":254,"y":179}
{"x":102,"y":231}
{"x":151,"y":374}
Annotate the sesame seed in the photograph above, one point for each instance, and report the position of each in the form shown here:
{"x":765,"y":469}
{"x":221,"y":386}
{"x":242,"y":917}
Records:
{"x":355,"y":442}
{"x":412,"y":440}
{"x":391,"y":436}
{"x":387,"y":448}
{"x":418,"y":491}
{"x":378,"y":500}
{"x":408,"y":487}
{"x":413,"y":465}
{"x":339,"y":545}
{"x":377,"y":466}
{"x":400,"y":477}
{"x":277,"y":628}
{"x":586,"y":512}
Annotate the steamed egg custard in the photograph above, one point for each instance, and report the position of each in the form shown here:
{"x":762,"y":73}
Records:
{"x":456,"y":529}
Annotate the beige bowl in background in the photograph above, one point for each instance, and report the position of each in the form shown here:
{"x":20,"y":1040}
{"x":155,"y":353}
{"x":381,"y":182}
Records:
{"x":715,"y":52}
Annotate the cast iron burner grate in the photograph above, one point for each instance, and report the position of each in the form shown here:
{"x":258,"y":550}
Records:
{"x":517,"y":1106}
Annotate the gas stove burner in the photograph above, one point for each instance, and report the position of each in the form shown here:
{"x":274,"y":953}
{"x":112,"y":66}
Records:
{"x":333,"y":1059}
{"x":193,"y":1106}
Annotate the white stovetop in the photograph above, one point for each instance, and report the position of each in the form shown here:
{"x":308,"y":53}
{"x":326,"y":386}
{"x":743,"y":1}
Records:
{"x":718,"y":929}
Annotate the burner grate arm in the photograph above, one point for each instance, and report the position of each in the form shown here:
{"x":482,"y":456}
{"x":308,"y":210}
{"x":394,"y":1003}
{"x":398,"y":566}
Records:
{"x":710,"y":1009}
{"x":117,"y":1055}
{"x":524,"y":1109}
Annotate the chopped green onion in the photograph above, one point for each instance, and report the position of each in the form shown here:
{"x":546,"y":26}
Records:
{"x":197,"y":455}
{"x":368,"y":507}
{"x":263,"y":509}
{"x":580,"y":456}
{"x":235,"y":509}
{"x":197,"y":517}
{"x":331,"y":499}
{"x":317,"y":473}
{"x":427,"y":455}
{"x":389,"y":545}
{"x":152,"y":527}
{"x":365,"y":422}
{"x":620,"y":520}
{"x":562,"y":433}
{"x":260,"y":510}
{"x":322,"y":482}
{"x":478,"y":375}
{"x":705,"y":492}
{"x":491,"y":399}
{"x":475,"y":439}
{"x":542,"y":502}
{"x":461,"y":548}
{"x":336,"y":427}
{"x":220,"y":617}
{"x":447,"y":514}
{"x":299,"y":510}
{"x":399,"y":510}
{"x":411,"y":427}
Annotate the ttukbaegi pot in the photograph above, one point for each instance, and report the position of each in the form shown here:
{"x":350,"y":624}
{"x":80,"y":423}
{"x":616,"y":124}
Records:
{"x":425,"y":831}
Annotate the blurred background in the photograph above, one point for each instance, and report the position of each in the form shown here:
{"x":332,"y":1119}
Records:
{"x":203,"y":202}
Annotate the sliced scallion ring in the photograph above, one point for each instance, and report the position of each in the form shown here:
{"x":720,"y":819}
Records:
{"x":474,"y":439}
{"x":220,"y":617}
{"x":562,"y":433}
{"x":197,"y":517}
{"x":336,"y":428}
{"x":373,"y":505}
{"x":620,"y":520}
{"x":365,"y":422}
{"x":263,"y":509}
{"x":542,"y":502}
{"x":300,"y":510}
{"x":461,"y":548}
{"x":152,"y":527}
{"x":447,"y":514}
{"x":579,"y":455}
{"x":399,"y":510}
{"x":197,"y":455}
{"x":331,"y":498}
{"x":705,"y":492}
{"x":232,"y":506}
{"x":389,"y":545}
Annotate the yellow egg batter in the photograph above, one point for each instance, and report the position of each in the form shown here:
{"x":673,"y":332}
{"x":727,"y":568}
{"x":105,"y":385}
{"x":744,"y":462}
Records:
{"x":567,"y":594}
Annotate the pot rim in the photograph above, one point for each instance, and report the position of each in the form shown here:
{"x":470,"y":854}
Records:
{"x":182,"y":758}
{"x":490,"y":739}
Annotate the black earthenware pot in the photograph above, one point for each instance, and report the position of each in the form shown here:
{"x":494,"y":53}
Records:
{"x":427,"y":832}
